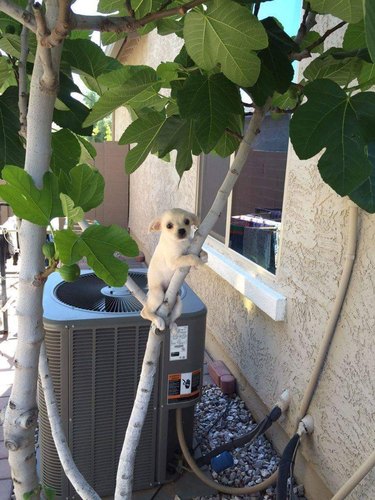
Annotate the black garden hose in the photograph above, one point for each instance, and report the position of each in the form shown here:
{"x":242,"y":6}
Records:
{"x":285,"y":466}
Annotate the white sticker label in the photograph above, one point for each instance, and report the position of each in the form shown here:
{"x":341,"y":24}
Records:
{"x":186,"y":382}
{"x":179,"y":344}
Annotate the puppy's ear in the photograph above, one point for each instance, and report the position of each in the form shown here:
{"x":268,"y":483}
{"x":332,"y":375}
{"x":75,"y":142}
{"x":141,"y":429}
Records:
{"x":195,"y":220}
{"x":154,"y":226}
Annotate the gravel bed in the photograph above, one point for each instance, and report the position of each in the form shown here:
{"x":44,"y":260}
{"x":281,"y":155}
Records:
{"x":220,"y":418}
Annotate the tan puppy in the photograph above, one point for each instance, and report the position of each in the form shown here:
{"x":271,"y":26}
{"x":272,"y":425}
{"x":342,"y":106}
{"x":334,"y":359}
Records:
{"x":170,"y":254}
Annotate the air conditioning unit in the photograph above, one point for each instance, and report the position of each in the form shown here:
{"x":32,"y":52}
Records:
{"x":95,"y":341}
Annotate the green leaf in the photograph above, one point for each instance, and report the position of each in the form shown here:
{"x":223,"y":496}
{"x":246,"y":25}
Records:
{"x":143,"y":7}
{"x":170,"y":26}
{"x":278,"y":36}
{"x":76,"y":111}
{"x":80,"y":34}
{"x":369,"y":7}
{"x":98,"y":244}
{"x":120,"y":76}
{"x":84,"y":185}
{"x":343,"y":126}
{"x":28,"y":202}
{"x":354,"y":37}
{"x":228,"y":142}
{"x":67,"y":247}
{"x":226,"y":34}
{"x":142,"y":131}
{"x":348,"y":10}
{"x":88,"y":59}
{"x":276,"y":70}
{"x":112,"y":6}
{"x":49,"y":493}
{"x":168,"y":71}
{"x":183,"y":58}
{"x":364,"y":195}
{"x":288,"y":100}
{"x":366,"y":77}
{"x":112,"y":37}
{"x":310,"y":38}
{"x":210,"y":100}
{"x":11,"y":44}
{"x":138,"y":89}
{"x":9,"y":25}
{"x":5,"y":70}
{"x":178,"y":133}
{"x":11,"y":147}
{"x":72,"y":213}
{"x":66,"y":151}
{"x":341,"y":71}
{"x":88,"y":152}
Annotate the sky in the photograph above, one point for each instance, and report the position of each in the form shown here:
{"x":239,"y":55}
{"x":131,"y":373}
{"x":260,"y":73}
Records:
{"x":85,"y":6}
{"x":289,"y":16}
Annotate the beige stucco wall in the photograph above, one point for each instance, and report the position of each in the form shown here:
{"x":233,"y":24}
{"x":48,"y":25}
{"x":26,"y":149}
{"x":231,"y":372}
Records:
{"x":155,"y":186}
{"x":272,"y":355}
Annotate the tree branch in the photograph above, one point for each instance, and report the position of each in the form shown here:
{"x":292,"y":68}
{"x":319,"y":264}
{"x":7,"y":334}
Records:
{"x":23,"y":96}
{"x":308,"y":21}
{"x":62,"y":27}
{"x":165,"y":4}
{"x":49,"y":80}
{"x":124,"y":481}
{"x":234,"y":134}
{"x":182,"y":10}
{"x":104,"y":23}
{"x":298,"y":56}
{"x":126,"y":23}
{"x":129,"y":8}
{"x":19,"y":14}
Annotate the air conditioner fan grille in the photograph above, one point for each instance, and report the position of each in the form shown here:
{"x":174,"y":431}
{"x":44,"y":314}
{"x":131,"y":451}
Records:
{"x":90,"y":293}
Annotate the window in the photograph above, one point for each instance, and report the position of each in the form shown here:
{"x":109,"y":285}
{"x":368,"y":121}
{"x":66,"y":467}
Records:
{"x":250,"y":223}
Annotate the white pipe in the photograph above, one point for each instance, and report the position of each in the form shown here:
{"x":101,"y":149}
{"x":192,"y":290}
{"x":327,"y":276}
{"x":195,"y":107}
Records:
{"x":356,"y":478}
{"x":335,"y":314}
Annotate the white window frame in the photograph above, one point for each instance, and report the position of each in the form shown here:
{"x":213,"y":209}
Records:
{"x":244,"y":275}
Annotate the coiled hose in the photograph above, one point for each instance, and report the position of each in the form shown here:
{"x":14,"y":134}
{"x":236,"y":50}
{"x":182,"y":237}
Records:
{"x":246,"y":490}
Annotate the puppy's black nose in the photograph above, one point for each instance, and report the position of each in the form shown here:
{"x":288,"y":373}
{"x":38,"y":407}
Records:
{"x":181,"y":232}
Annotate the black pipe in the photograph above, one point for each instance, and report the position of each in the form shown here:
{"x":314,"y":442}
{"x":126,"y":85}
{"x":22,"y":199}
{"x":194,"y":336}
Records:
{"x":285,"y":466}
{"x":244,"y":439}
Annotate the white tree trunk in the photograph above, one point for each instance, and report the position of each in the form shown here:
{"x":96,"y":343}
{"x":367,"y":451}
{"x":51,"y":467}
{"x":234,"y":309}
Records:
{"x":21,"y":412}
{"x":125,"y":472}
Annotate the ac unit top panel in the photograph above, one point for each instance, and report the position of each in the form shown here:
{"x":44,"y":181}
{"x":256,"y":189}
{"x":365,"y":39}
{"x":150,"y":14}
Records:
{"x":73,"y":302}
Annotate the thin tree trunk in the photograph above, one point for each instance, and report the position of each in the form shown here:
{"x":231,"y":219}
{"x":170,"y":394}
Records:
{"x":124,"y":481}
{"x":21,"y":412}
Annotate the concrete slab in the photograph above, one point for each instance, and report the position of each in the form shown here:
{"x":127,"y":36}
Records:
{"x":188,"y":486}
{"x":3,"y":451}
{"x":6,"y":489}
{"x":4,"y":469}
{"x":6,"y":379}
{"x":5,"y":391}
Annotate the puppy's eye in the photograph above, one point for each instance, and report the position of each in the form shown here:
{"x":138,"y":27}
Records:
{"x":169,"y":225}
{"x":187,"y":222}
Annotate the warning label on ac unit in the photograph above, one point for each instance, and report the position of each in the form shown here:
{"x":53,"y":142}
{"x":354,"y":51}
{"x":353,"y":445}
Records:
{"x":179,"y":344}
{"x":183,"y":385}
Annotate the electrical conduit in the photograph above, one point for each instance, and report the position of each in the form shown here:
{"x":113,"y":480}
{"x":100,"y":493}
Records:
{"x":335,"y":314}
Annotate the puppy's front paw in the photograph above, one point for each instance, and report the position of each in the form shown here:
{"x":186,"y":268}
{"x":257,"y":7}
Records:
{"x":203,"y":257}
{"x":173,"y":328}
{"x":159,"y":323}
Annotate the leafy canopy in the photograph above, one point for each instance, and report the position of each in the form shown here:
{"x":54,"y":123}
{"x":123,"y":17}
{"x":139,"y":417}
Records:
{"x":191,"y":105}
